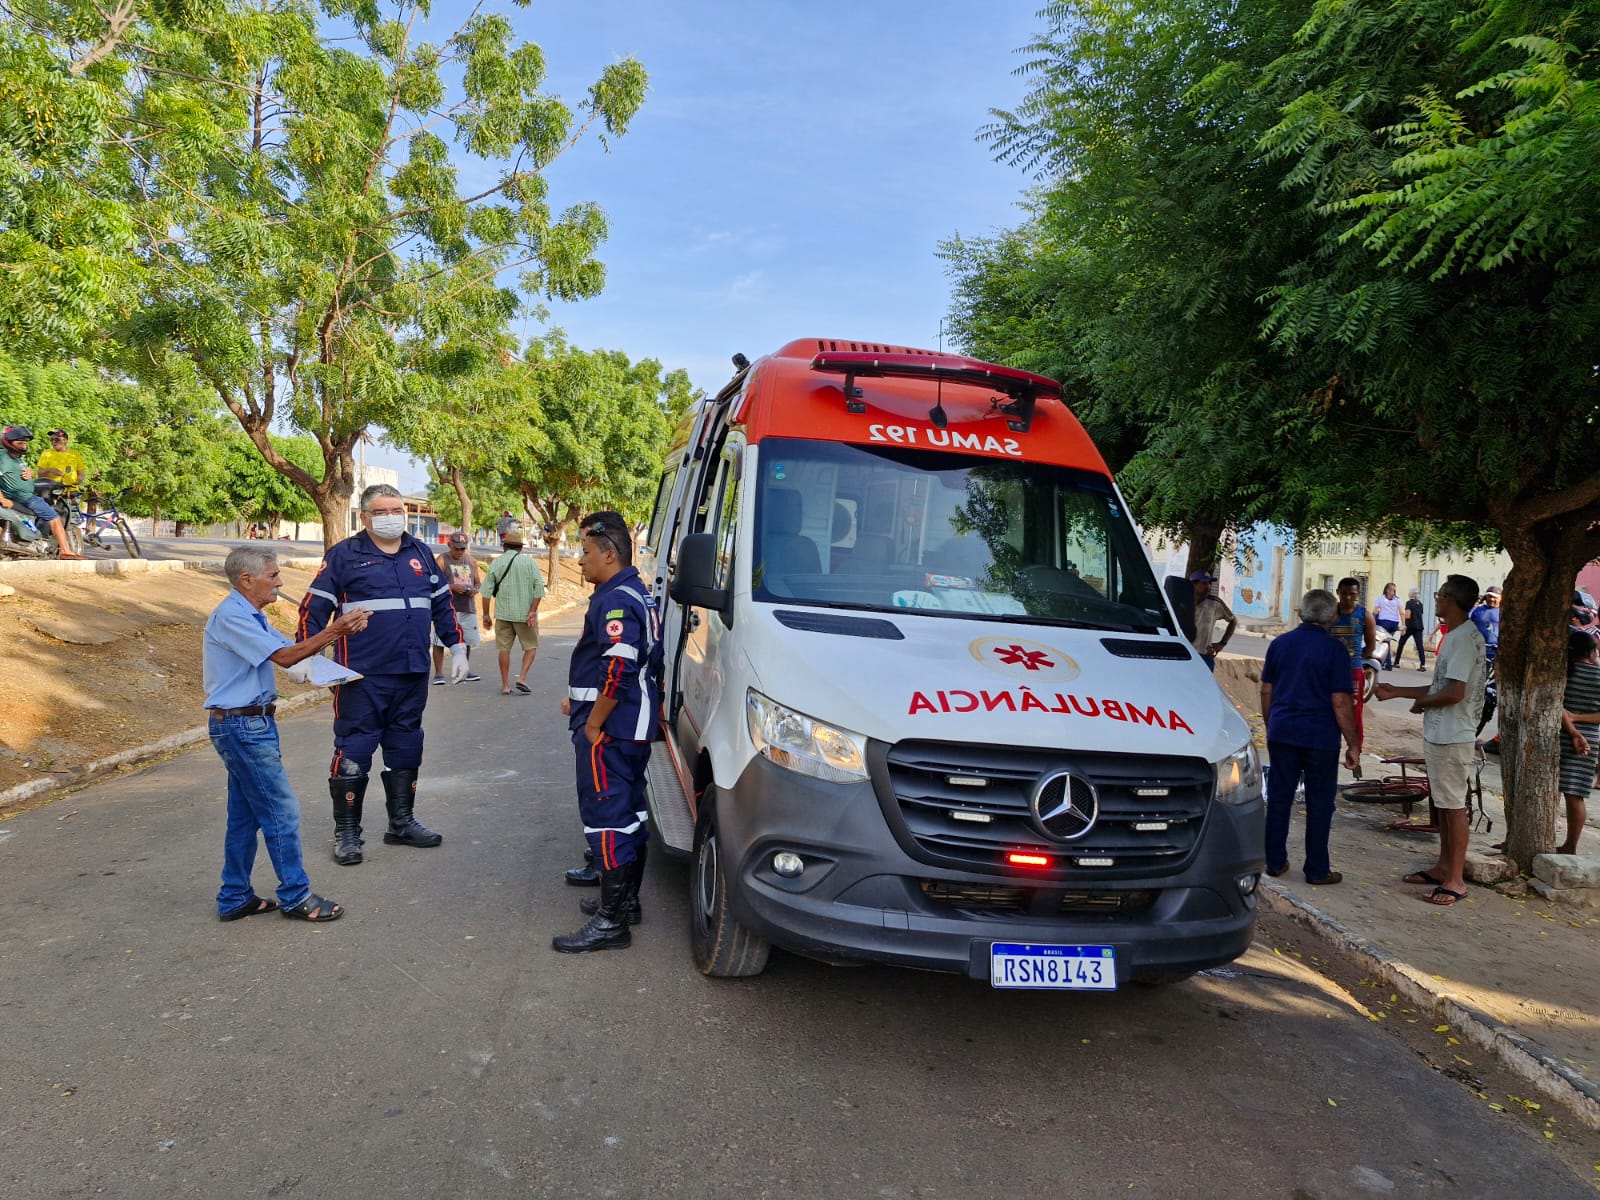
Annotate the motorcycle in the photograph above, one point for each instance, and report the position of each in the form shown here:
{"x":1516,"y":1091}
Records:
{"x":22,"y":536}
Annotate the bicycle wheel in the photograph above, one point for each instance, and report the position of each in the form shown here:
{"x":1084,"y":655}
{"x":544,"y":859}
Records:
{"x":1377,"y":791}
{"x":129,"y":542}
{"x":1369,"y":680}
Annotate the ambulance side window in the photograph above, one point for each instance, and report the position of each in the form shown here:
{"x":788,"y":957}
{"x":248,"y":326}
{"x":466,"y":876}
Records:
{"x":727,"y":523}
{"x":658,"y":514}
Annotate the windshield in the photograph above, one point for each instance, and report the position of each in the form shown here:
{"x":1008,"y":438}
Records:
{"x":887,"y":528}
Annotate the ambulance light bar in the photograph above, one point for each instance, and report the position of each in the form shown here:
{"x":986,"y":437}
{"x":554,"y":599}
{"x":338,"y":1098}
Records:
{"x":1023,"y":387}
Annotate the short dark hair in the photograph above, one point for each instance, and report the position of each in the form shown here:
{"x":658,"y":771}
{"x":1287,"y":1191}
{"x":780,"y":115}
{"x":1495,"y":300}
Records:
{"x":1463,"y":589}
{"x":1349,"y":581}
{"x":612,"y":528}
{"x":1580,"y":644}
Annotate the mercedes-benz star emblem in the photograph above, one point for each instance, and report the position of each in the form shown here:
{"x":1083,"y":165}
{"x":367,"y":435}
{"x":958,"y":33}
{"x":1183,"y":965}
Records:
{"x":1065,"y":807}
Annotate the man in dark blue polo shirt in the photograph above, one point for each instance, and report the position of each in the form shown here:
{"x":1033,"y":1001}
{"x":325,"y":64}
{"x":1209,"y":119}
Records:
{"x":1307,"y":703}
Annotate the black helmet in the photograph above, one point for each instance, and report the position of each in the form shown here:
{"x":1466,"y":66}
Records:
{"x":12,"y":434}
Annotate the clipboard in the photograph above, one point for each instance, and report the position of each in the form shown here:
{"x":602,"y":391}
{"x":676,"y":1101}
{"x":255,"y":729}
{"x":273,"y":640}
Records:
{"x":327,"y":673}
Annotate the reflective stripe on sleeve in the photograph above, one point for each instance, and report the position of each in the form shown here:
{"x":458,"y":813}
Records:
{"x":437,"y":592}
{"x":614,"y":828}
{"x":583,"y":693}
{"x":328,"y":596}
{"x":622,"y":651}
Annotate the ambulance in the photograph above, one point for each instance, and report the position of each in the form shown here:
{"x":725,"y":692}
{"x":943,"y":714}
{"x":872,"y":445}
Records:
{"x":924,"y":700}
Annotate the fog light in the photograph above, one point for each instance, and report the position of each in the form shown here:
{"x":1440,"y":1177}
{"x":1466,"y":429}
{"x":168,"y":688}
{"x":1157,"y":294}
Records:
{"x":788,"y":865}
{"x":1247,"y":884}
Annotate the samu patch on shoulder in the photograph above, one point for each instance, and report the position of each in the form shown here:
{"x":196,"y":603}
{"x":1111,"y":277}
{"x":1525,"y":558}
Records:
{"x":614,"y":630}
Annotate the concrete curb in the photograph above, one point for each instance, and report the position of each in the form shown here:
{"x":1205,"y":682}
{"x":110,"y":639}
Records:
{"x":1524,"y":1058}
{"x":45,"y":568}
{"x":89,"y":772}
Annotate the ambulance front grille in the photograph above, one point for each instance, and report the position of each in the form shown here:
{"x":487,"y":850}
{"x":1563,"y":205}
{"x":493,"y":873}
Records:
{"x":971,"y":805}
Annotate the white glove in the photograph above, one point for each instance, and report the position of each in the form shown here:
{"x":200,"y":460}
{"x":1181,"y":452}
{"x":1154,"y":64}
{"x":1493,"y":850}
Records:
{"x":458,"y":662}
{"x":300,"y":672}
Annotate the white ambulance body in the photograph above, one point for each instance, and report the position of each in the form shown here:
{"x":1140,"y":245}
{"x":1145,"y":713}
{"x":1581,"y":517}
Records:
{"x":926,"y":703}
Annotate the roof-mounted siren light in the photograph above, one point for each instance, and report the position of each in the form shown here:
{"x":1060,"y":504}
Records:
{"x":1022,"y":389}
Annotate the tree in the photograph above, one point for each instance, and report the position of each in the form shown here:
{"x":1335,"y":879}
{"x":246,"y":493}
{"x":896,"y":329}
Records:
{"x":1134,"y":281}
{"x":1394,"y":328}
{"x":604,"y":427}
{"x":257,"y":492}
{"x":1453,"y":306}
{"x":303,"y":232}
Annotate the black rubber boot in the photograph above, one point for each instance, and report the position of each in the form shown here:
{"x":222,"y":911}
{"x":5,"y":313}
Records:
{"x":633,"y":910}
{"x":347,"y":796}
{"x":608,"y":928}
{"x":399,"y":794}
{"x":586,"y":875}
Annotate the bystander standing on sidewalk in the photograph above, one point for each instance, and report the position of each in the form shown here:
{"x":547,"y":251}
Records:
{"x":461,"y":569}
{"x":1208,"y":610}
{"x":1449,"y":706}
{"x":1306,"y":704}
{"x":1580,"y":729}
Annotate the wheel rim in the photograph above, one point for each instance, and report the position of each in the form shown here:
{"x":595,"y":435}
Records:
{"x":705,"y":883}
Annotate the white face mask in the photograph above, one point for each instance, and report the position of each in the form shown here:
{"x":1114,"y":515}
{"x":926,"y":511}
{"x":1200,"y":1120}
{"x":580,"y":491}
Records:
{"x":388,"y":526}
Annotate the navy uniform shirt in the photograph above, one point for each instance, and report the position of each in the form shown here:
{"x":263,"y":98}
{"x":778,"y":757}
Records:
{"x":405,"y":594}
{"x":618,"y":655}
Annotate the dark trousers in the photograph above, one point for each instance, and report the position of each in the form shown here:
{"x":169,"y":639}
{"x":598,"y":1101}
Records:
{"x":611,"y":797}
{"x":1410,"y":635}
{"x":380,"y":710}
{"x":1320,"y":770}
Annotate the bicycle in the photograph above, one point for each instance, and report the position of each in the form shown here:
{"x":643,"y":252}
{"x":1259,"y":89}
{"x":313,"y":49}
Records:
{"x":1407,"y":790}
{"x":92,"y":529}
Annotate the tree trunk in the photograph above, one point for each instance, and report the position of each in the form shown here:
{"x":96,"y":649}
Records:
{"x":332,"y":499}
{"x":1531,"y":669}
{"x":1205,"y":543}
{"x":458,"y":480}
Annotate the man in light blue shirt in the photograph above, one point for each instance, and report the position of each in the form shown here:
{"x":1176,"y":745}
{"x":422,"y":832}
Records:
{"x":239,"y":651}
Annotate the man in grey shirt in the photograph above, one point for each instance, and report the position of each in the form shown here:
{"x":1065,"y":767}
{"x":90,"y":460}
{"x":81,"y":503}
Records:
{"x":1450,"y":707}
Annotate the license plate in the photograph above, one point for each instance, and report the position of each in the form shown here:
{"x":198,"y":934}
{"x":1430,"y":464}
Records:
{"x":1069,"y":968}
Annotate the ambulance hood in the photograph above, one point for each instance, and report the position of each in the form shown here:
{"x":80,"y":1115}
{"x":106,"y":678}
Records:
{"x":949,"y":679}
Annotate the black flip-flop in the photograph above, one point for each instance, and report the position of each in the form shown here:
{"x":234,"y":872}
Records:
{"x":252,"y":907}
{"x":1437,"y":897}
{"x":524,"y":690}
{"x":1420,"y":877}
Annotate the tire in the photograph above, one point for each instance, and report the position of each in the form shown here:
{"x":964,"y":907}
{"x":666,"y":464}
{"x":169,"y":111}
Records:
{"x":129,"y":542}
{"x":722,"y":948}
{"x":1369,"y":679}
{"x":74,"y":537}
{"x":1376,"y":791}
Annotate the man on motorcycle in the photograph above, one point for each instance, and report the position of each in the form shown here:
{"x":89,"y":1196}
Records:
{"x":16,"y":488}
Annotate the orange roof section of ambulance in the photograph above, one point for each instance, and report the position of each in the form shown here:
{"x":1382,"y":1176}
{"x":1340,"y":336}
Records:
{"x":799,"y":392}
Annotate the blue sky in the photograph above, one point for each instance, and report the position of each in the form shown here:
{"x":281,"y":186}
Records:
{"x":791,"y":173}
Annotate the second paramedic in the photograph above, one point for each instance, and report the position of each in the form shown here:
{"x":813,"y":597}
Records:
{"x":611,"y":706}
{"x":392,"y":575}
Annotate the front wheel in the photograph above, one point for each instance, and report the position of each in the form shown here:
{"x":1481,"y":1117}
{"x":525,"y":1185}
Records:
{"x":129,"y":542}
{"x":722,"y":948}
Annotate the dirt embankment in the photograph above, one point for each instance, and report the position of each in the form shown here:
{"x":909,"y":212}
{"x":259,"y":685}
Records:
{"x":98,"y":664}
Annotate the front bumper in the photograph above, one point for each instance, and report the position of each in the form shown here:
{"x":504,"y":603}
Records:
{"x":862,"y":898}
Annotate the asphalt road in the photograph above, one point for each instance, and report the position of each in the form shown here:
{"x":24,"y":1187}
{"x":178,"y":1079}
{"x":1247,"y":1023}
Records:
{"x":431,"y":1044}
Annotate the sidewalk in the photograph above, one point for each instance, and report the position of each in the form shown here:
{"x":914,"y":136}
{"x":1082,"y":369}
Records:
{"x":1514,"y":976}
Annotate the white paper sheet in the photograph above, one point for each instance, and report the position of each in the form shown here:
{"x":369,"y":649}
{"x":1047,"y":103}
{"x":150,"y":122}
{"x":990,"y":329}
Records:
{"x":327,"y":673}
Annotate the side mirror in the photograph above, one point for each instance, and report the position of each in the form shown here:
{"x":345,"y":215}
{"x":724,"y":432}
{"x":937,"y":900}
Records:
{"x":694,"y":574}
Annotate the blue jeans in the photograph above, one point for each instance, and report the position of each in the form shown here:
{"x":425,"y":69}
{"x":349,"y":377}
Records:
{"x":259,"y":798}
{"x":1320,"y":769}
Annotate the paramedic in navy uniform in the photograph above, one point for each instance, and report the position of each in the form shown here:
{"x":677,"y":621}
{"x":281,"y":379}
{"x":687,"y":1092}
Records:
{"x":386,"y":571}
{"x":611,"y":706}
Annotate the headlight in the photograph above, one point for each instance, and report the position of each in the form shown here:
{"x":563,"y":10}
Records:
{"x":1239,"y":776}
{"x":795,"y":741}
